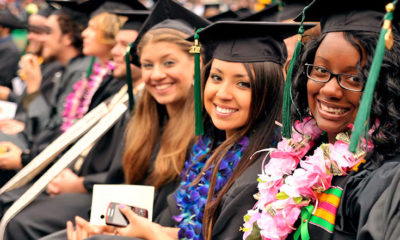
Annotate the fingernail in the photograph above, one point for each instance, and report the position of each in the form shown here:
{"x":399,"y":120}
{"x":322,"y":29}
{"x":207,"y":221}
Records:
{"x":122,"y":205}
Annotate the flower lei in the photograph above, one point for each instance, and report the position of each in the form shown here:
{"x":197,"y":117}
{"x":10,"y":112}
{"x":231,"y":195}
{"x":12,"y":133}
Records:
{"x":191,"y":199}
{"x":284,"y":187}
{"x":78,"y":101}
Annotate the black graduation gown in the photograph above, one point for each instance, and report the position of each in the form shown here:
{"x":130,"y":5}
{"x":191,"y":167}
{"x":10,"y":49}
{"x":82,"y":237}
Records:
{"x":384,"y":217}
{"x":9,"y":57}
{"x":49,"y":71}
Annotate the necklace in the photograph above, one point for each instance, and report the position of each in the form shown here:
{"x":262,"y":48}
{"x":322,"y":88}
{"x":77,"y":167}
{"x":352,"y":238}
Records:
{"x":289,"y":183}
{"x":78,"y":101}
{"x":191,"y":199}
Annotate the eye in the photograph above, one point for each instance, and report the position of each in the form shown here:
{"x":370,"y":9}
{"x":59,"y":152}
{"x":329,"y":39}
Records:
{"x":354,"y":80}
{"x":320,"y":69}
{"x":147,"y":65}
{"x":244,"y":84}
{"x":215,"y":77}
{"x":169,"y":63}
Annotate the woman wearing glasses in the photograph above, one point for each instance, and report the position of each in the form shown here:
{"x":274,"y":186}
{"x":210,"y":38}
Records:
{"x":313,"y":187}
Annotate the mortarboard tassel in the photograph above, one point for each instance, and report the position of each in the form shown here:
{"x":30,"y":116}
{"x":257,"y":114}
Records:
{"x":199,"y":128}
{"x":89,"y":71}
{"x":385,"y":41}
{"x":129,"y":77}
{"x":287,"y":92}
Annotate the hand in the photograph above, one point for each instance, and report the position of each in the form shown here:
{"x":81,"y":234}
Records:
{"x":11,"y":126}
{"x":141,"y":227}
{"x":4,"y":92}
{"x":11,"y":157}
{"x":66,"y":182}
{"x":84,"y":229}
{"x":30,"y":72}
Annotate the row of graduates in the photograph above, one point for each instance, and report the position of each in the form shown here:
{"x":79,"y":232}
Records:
{"x":205,"y":185}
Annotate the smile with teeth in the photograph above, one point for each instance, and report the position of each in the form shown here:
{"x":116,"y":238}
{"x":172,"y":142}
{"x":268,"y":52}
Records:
{"x":225,"y":110}
{"x":333,"y":110}
{"x":163,"y":86}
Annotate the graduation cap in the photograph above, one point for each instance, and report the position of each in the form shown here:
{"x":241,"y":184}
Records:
{"x":9,"y":20}
{"x":165,"y":14}
{"x":98,"y":6}
{"x":291,"y":8}
{"x":169,"y":14}
{"x":135,"y":20}
{"x":355,"y":15}
{"x":224,"y":16}
{"x":268,"y":14}
{"x":70,"y":8}
{"x":242,"y":42}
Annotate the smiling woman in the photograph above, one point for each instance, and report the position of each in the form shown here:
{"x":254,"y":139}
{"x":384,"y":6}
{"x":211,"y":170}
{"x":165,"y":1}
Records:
{"x":313,"y":187}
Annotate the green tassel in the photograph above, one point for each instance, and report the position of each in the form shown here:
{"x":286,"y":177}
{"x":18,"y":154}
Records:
{"x":199,"y":128}
{"x":89,"y":71}
{"x":385,"y":41}
{"x":287,"y":92}
{"x":129,"y":77}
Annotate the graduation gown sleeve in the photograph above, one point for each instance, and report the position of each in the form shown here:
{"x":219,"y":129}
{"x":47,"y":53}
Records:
{"x":384,"y":217}
{"x":361,"y":195}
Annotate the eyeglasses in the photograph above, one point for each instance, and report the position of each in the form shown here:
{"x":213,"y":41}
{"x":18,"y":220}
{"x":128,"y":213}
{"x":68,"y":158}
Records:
{"x":323,"y":75}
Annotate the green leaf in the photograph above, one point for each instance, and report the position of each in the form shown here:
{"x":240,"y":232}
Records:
{"x":281,"y":196}
{"x":297,"y":200}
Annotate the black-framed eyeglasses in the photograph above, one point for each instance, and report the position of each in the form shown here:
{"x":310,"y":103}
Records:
{"x":323,"y":75}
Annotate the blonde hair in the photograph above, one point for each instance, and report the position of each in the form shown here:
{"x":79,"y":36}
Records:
{"x":151,"y":123}
{"x":107,"y":26}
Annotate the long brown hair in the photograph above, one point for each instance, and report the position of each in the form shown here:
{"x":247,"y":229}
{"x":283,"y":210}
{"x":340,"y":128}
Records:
{"x":151,"y":123}
{"x":266,"y":80}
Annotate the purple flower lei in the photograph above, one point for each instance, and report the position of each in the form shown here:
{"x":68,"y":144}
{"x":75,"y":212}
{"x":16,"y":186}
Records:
{"x":190,"y":199}
{"x":78,"y":101}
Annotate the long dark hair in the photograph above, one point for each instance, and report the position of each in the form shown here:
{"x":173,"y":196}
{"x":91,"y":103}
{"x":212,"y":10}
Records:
{"x":386,"y":98}
{"x":266,"y":81}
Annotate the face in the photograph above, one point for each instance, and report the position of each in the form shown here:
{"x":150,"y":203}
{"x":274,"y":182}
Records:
{"x":35,"y":35}
{"x":332,"y":106}
{"x":122,"y":39}
{"x":227,"y":95}
{"x":53,"y":40}
{"x":167,"y":72}
{"x":92,"y":45}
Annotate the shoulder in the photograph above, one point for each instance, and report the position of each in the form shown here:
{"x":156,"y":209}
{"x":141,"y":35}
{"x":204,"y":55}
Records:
{"x":250,"y":175}
{"x":362,"y":190}
{"x":236,"y":202}
{"x":79,"y":63}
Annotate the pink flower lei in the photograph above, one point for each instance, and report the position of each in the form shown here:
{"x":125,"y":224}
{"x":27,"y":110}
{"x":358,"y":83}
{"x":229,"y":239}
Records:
{"x":288,"y":183}
{"x":78,"y":101}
